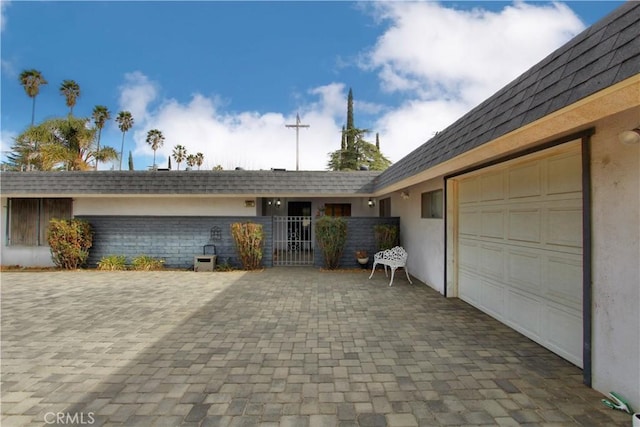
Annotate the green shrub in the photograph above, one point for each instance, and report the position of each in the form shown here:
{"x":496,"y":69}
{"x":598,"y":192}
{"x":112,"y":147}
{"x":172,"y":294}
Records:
{"x":386,"y":236}
{"x":113,"y":263}
{"x":69,"y":241}
{"x":331,"y":235}
{"x":147,"y":263}
{"x":249,"y":238}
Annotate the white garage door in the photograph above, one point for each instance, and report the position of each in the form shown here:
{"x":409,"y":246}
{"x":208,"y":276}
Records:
{"x":520,"y":246}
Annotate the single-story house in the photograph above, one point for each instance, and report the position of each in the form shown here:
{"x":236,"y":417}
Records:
{"x":527,"y":207}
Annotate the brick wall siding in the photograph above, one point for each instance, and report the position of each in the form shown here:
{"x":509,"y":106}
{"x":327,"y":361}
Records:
{"x":178,"y":239}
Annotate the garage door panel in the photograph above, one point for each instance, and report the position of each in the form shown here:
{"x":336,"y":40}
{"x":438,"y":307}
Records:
{"x":564,"y":227}
{"x":468,"y":191}
{"x":520,"y":246}
{"x":469,"y":223}
{"x":525,"y":225}
{"x":492,"y":261}
{"x":491,"y":187}
{"x":564,"y":174}
{"x":468,"y":255}
{"x":492,"y":298}
{"x":564,"y":279}
{"x":524,"y":271}
{"x":469,"y":289}
{"x":524,"y":181}
{"x":563,"y":331}
{"x":492,"y":223}
{"x":524,"y":313}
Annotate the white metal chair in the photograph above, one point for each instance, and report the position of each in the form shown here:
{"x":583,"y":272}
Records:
{"x":393,"y":258}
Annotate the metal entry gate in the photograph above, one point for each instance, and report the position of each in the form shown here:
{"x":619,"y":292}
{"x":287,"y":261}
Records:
{"x":292,"y":242}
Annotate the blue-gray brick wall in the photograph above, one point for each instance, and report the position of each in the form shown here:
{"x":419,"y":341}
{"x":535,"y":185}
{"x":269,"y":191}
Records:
{"x":178,"y":239}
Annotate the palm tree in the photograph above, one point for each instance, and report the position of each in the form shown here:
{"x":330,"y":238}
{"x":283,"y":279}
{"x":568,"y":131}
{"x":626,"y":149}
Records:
{"x":125,"y":122}
{"x":156,"y":140}
{"x":66,"y":144}
{"x":31,"y":80}
{"x":71,"y":91}
{"x":100,"y":116}
{"x":199,"y":159}
{"x":179,"y":154}
{"x":191,"y":160}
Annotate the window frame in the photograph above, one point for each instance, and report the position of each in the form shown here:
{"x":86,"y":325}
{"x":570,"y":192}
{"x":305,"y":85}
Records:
{"x":432,"y":204}
{"x":331,"y":208}
{"x":28,"y":217}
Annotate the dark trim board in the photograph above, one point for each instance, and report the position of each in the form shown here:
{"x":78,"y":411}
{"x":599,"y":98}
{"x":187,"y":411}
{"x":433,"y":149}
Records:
{"x":586,"y":260}
{"x":585,"y":138}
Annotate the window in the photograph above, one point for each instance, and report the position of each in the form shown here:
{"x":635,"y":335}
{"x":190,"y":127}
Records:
{"x":432,"y":204}
{"x":29,"y":218}
{"x":337,"y":209}
{"x":385,"y":207}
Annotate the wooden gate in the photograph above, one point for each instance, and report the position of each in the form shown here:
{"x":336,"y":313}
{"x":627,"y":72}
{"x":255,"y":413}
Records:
{"x":292,"y":241}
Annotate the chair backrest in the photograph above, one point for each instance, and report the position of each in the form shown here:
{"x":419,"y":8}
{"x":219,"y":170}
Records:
{"x":397,"y":254}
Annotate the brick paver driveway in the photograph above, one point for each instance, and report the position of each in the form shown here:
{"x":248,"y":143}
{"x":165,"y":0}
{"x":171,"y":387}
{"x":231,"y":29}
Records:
{"x":281,"y":347}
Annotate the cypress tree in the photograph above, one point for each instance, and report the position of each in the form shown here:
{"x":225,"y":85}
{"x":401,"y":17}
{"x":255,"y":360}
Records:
{"x":130,"y":161}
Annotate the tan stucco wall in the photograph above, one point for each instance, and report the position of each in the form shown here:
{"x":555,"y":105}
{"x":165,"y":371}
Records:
{"x":163,"y":206}
{"x":615,"y":172}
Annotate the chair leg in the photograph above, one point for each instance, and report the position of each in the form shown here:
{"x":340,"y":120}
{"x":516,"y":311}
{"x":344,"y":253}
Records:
{"x":373,"y":270}
{"x":393,"y":272}
{"x":407,"y":273}
{"x":385,"y":271}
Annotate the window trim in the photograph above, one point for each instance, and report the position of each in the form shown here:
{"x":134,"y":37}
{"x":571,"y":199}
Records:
{"x":433,"y":207}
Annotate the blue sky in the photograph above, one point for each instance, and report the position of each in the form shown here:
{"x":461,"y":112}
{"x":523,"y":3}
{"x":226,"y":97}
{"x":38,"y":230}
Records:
{"x":224,"y":78}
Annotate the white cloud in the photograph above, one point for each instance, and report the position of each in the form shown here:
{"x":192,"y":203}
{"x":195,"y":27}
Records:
{"x":442,"y":61}
{"x":136,"y":93}
{"x":443,"y":51}
{"x":251,"y":140}
{"x":446,"y":61}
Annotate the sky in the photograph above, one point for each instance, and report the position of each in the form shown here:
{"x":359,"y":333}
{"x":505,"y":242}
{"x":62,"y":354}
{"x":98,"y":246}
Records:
{"x":225,"y":78}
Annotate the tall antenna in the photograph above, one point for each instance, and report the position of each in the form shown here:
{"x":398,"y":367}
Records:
{"x":297,"y":126}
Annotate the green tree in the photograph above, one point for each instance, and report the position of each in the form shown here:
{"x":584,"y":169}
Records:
{"x":199,"y":159}
{"x":179,"y":154}
{"x":71,"y":92}
{"x":100,"y":116}
{"x":156,"y":140}
{"x":125,"y":123}
{"x":361,"y":154}
{"x":31,"y":80}
{"x":356,"y":153}
{"x":130,"y":162}
{"x":59,"y":144}
{"x":191,"y":160}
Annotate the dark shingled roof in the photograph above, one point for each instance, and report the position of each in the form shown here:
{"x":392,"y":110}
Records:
{"x":188,"y":182}
{"x":604,"y":54}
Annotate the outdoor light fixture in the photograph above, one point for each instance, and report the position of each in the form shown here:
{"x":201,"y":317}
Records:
{"x":404,"y":195}
{"x":630,"y":137}
{"x":269,"y":202}
{"x":278,"y":203}
{"x":371,"y":203}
